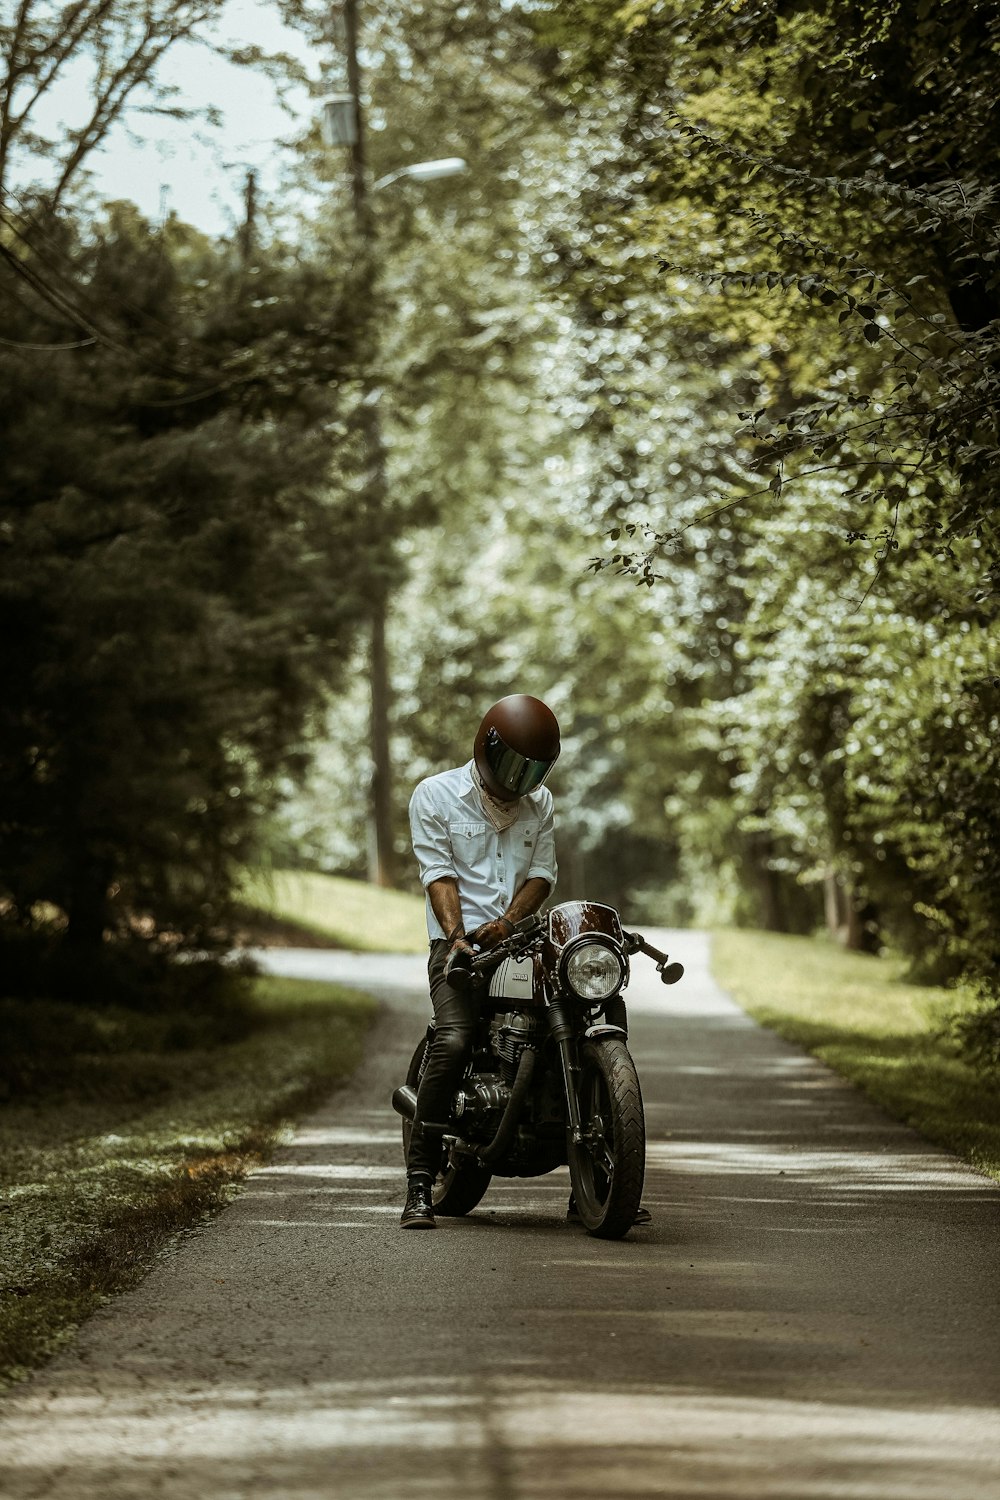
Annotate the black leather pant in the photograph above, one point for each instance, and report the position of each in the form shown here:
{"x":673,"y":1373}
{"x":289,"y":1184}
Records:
{"x":455,"y":1018}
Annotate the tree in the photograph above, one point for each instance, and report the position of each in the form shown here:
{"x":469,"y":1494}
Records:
{"x":521,"y":400}
{"x":178,"y":581}
{"x":447,"y":314}
{"x":109,"y":52}
{"x":860,"y":199}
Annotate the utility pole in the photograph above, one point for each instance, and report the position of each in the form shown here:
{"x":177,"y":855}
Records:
{"x":382,"y":859}
{"x":248,"y":229}
{"x":345,"y":126}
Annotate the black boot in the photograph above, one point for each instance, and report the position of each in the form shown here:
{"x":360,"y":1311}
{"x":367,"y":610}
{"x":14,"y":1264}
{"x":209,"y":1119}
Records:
{"x":419,"y":1210}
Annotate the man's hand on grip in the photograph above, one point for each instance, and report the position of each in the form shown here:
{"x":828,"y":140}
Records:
{"x":491,"y":933}
{"x":460,"y":951}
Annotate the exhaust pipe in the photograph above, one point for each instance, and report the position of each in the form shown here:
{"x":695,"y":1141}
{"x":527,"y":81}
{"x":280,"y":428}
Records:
{"x":512,"y":1114}
{"x":404,"y":1101}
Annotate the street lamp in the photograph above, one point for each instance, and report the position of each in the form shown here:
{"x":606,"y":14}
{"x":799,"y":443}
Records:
{"x":340,"y":128}
{"x":424,"y":171}
{"x":340,"y":120}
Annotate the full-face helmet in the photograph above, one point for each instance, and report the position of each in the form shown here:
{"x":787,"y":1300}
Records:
{"x":517,"y":746}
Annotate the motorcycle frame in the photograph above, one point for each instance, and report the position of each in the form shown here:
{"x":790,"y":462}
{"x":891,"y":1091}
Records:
{"x":565,"y":1010}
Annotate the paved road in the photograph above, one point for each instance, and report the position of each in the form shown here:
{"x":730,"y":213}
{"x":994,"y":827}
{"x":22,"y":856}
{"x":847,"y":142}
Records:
{"x":813,"y":1316}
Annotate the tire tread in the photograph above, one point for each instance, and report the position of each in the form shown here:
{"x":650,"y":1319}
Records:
{"x":615,"y":1062}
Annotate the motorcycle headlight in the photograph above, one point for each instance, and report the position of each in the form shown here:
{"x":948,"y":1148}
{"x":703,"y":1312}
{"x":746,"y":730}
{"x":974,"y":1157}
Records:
{"x":593,"y":971}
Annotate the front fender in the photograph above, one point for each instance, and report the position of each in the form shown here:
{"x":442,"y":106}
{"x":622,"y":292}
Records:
{"x":604,"y":1029}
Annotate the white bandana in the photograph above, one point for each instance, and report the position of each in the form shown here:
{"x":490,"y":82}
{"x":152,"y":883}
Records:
{"x":500,"y":814}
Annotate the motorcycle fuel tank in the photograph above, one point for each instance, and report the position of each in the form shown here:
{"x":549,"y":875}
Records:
{"x":514,"y":980}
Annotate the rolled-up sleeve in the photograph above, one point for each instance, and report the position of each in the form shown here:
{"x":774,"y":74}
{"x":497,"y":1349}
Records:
{"x":430,"y":837}
{"x":543,"y":859}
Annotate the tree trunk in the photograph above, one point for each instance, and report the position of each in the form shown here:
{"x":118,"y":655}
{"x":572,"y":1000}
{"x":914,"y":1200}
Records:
{"x":766,"y":883}
{"x":87,"y":909}
{"x":832,"y":903}
{"x":851,"y":922}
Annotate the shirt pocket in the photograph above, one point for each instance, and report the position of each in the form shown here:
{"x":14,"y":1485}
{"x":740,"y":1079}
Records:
{"x":526,"y":837}
{"x":468,"y":843}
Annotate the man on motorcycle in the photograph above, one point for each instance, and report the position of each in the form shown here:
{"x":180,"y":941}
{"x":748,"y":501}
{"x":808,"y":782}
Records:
{"x":483,"y":837}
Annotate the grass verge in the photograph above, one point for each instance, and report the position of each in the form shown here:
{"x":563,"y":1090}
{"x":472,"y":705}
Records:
{"x":116,"y":1148}
{"x":858,"y":1015}
{"x":347,"y":913}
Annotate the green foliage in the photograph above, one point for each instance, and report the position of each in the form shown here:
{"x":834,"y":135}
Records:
{"x":976,"y":1031}
{"x":177,"y":578}
{"x":467,"y":346}
{"x":825,"y":235}
{"x":732,"y":307}
{"x":823,"y":184}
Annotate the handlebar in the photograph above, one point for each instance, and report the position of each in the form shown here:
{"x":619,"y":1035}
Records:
{"x":464,"y":969}
{"x":669,"y":972}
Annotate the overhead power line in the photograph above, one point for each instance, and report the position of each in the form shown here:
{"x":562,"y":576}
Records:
{"x":69,"y":305}
{"x":58,"y":260}
{"x":47,"y":348}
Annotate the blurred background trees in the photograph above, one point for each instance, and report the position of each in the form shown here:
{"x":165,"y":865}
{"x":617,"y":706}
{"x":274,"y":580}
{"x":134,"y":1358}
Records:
{"x":179,"y":576}
{"x":819,"y":187}
{"x":688,"y":395}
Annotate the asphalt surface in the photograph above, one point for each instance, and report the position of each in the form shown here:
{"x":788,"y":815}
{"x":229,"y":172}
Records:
{"x":813,"y":1314}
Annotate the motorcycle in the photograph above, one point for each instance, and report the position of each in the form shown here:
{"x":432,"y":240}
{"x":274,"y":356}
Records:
{"x":550,"y":1081}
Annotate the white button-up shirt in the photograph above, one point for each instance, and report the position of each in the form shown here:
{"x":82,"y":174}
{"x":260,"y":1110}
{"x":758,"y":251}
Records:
{"x":452,"y":836}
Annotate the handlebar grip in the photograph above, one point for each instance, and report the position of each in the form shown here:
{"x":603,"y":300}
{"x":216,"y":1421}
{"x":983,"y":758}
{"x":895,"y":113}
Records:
{"x":637,"y":944}
{"x":462,"y":969}
{"x":669,"y":972}
{"x":458,"y":970}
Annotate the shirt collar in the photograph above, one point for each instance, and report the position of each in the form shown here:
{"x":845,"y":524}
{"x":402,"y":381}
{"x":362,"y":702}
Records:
{"x":467,"y":787}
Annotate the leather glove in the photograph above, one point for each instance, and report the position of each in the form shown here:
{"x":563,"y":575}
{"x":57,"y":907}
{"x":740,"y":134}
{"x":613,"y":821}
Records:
{"x":490,"y":933}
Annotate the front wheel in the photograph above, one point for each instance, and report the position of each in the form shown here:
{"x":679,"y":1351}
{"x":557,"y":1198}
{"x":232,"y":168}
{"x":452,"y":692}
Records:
{"x":458,"y":1186}
{"x":608,"y":1166}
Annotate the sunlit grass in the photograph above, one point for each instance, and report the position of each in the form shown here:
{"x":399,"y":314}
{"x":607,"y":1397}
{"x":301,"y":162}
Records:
{"x":125,"y":1147}
{"x":350,"y":913}
{"x":859,"y":1015}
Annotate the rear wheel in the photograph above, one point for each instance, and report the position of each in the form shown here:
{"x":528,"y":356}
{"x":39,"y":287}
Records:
{"x":459,"y":1185}
{"x":608,"y":1166}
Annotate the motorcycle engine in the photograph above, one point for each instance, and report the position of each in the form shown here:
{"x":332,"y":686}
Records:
{"x":510,"y":1034}
{"x":479,"y":1105}
{"x":480,"y":1102}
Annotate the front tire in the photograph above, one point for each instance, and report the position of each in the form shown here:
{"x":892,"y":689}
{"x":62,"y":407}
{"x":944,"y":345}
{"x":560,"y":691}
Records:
{"x":608,"y":1167}
{"x":458,"y":1187}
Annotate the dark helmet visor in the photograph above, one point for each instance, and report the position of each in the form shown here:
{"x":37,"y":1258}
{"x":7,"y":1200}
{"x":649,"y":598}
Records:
{"x":518,"y":773}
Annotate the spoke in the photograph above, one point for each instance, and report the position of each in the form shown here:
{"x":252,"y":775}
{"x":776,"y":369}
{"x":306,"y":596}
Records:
{"x":600,"y":1150}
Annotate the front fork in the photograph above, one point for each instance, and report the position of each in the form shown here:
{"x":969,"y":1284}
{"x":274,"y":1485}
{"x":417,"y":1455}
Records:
{"x":563,"y":1027}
